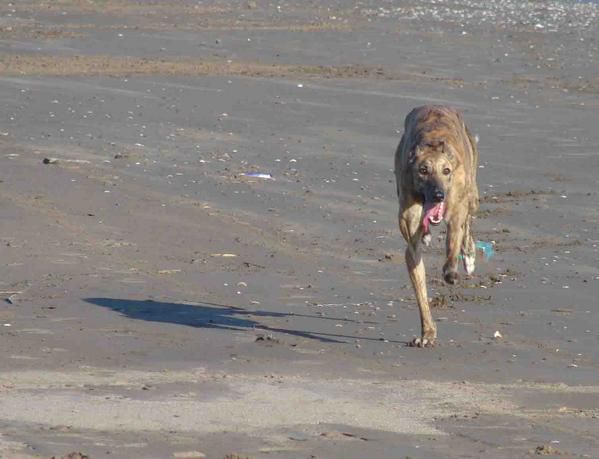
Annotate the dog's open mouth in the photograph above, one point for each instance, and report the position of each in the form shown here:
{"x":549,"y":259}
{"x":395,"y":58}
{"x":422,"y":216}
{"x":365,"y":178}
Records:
{"x":433,"y":214}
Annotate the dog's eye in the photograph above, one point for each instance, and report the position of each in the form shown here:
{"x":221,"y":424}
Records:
{"x":447,"y":171}
{"x":423,"y":170}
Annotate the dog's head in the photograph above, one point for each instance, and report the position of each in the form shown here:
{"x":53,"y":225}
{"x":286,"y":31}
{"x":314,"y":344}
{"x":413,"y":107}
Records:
{"x":432,"y":167}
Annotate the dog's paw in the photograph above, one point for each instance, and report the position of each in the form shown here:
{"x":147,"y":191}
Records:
{"x":426,"y":239}
{"x":469,"y":264}
{"x":451,"y":277}
{"x":422,"y":342}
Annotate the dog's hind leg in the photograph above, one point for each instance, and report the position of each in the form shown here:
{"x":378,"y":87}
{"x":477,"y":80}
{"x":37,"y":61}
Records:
{"x":410,"y":227}
{"x":468,"y":248}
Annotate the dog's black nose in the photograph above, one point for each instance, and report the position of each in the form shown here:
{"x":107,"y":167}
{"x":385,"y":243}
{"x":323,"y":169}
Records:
{"x":438,"y":195}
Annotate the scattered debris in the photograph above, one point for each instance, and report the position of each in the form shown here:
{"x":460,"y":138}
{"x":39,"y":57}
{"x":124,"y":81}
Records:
{"x":497,"y":335}
{"x":261,"y":175}
{"x":563,"y":310}
{"x":248,"y":264}
{"x":12,"y":295}
{"x":223,"y":255}
{"x":439,"y":302}
{"x":10,"y":299}
{"x":445,"y":301}
{"x":73,"y":455}
{"x":169,"y":271}
{"x":56,"y":161}
{"x":547,"y":450}
{"x":267,"y":338}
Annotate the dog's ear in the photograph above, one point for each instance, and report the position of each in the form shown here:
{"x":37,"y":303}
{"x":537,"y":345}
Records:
{"x":447,"y":150}
{"x":414,"y":152}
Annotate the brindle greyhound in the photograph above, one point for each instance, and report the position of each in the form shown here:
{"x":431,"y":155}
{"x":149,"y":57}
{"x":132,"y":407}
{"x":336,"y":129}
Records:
{"x":435,"y":169}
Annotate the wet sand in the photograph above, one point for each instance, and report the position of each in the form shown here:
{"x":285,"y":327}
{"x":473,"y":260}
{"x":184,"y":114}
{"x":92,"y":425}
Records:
{"x":158,"y":302}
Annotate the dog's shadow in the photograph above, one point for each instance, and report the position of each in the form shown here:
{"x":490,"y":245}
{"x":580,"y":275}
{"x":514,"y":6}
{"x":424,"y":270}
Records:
{"x":208,"y":315}
{"x":192,"y":315}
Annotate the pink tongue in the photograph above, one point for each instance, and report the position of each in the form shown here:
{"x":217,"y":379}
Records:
{"x":435,"y":212}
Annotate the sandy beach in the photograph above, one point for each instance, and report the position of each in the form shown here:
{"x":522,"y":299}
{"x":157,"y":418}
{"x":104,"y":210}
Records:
{"x":199,"y":244}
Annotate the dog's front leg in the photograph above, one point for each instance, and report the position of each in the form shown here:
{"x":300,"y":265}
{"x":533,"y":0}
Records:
{"x":455,"y":238}
{"x":410,"y":227}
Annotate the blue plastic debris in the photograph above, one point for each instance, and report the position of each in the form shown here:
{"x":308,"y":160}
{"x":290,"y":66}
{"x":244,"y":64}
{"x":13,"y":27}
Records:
{"x":486,"y":248}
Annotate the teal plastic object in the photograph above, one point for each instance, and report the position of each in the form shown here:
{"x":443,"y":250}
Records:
{"x":486,"y":248}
